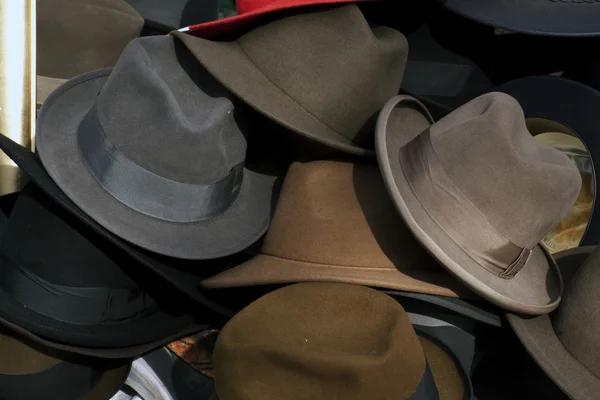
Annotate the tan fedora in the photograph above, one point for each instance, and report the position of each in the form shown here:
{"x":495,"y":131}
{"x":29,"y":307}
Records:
{"x":331,"y":341}
{"x":566,"y":344}
{"x":78,"y":36}
{"x":334,"y":221}
{"x":475,"y":190}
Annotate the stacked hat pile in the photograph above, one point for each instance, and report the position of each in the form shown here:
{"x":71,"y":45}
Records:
{"x":164,"y":163}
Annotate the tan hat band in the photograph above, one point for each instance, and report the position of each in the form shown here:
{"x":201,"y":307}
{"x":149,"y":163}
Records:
{"x":455,"y":214}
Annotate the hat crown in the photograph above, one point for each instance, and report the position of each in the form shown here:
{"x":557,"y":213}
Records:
{"x":577,"y":319}
{"x":521,"y":186}
{"x":72,"y":35}
{"x":319,"y":340}
{"x":168,"y":115}
{"x":333,"y":64}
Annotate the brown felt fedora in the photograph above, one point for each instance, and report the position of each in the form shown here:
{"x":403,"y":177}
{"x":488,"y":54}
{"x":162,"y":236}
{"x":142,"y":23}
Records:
{"x":79,"y":36}
{"x":479,"y":193}
{"x":28,"y":371}
{"x":323,"y":73}
{"x":335,"y":222}
{"x":566,"y":343}
{"x":331,"y":341}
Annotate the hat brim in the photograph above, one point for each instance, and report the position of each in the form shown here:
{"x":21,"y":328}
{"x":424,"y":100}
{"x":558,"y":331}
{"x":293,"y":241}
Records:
{"x":237,"y":22}
{"x":536,"y":289}
{"x":243,"y":223}
{"x":534,"y":17}
{"x":227,"y":62}
{"x":542,"y":343}
{"x":569,"y":103}
{"x":265,"y":269}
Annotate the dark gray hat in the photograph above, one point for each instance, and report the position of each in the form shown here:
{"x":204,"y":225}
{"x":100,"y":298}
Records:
{"x":154,"y":152}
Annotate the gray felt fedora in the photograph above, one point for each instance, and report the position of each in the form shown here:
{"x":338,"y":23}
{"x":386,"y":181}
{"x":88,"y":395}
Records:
{"x":479,"y":193}
{"x":323,"y":73}
{"x":72,"y":38}
{"x":566,"y":344}
{"x":154,"y":152}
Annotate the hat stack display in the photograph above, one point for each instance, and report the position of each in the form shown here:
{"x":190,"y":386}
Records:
{"x":357,"y":219}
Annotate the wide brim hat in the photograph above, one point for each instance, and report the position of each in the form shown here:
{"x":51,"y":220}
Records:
{"x":572,"y":107}
{"x":536,"y":289}
{"x":266,"y":68}
{"x":182,"y":275}
{"x":334,"y":222}
{"x":62,"y":329}
{"x":248,"y":11}
{"x":569,"y":18}
{"x":30,"y":371}
{"x":538,"y":336}
{"x":243,"y":223}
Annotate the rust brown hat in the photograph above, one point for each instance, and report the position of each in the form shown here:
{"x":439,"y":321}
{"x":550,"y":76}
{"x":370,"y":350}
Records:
{"x":566,"y":344}
{"x":479,"y":193}
{"x":334,"y":221}
{"x":323,"y":74}
{"x":331,"y":341}
{"x":78,"y":36}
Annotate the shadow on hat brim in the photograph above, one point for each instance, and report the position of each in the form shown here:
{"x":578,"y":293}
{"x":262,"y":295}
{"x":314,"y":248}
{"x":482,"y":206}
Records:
{"x":242,"y":224}
{"x":534,"y":17}
{"x":227,"y":62}
{"x":540,"y":340}
{"x":573,"y":105}
{"x":536,"y":289}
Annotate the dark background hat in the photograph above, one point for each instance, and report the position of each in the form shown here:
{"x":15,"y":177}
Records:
{"x":62,"y":282}
{"x":173,"y":179}
{"x":330,"y":340}
{"x":329,"y":93}
{"x":565,"y":343}
{"x":535,"y":17}
{"x":72,"y":38}
{"x":572,"y":107}
{"x":473,"y":190}
{"x":167,"y":15}
{"x":28,"y":371}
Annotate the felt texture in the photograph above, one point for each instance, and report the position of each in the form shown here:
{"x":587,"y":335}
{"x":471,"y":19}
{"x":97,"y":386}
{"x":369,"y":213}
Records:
{"x":569,"y":18}
{"x":72,"y":35}
{"x":321,"y":340}
{"x":248,"y":11}
{"x":537,"y":288}
{"x":23,"y":366}
{"x":56,"y":142}
{"x":68,"y":253}
{"x":563,"y":346}
{"x":334,"y":221}
{"x":324,"y":73}
{"x":571,"y":104}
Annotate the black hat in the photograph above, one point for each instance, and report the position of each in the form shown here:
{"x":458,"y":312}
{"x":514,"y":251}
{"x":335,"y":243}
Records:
{"x":572,"y":109}
{"x":66,"y":287}
{"x":154,"y":151}
{"x":28,"y":371}
{"x":536,"y":17}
